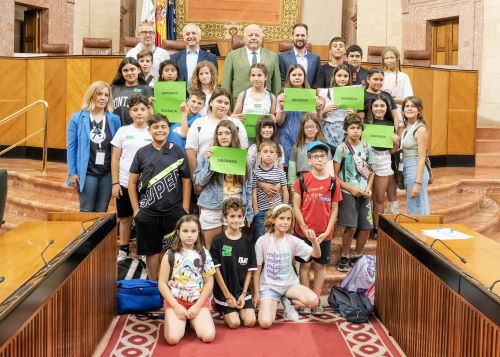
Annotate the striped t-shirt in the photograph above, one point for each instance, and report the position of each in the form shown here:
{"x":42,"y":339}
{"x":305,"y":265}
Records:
{"x":273,"y":176}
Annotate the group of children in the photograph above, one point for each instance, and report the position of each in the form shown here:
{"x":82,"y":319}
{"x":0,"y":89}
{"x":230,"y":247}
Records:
{"x":305,"y":173}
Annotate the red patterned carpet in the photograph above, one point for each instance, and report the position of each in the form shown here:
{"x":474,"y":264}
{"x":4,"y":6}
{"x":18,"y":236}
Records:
{"x":327,"y":335}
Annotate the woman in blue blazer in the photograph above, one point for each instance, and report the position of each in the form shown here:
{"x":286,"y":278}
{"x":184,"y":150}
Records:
{"x":89,"y":148}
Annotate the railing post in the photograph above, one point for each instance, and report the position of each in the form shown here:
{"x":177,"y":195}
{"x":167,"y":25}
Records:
{"x":45,"y":138}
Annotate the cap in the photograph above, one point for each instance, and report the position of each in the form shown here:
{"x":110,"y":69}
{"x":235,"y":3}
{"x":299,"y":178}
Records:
{"x":317,"y":145}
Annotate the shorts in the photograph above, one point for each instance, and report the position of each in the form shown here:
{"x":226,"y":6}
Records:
{"x":326,"y":248}
{"x":211,"y":218}
{"x":155,"y":233}
{"x":223,"y":308}
{"x":382,"y":163}
{"x":123,"y":205}
{"x":186,"y":304}
{"x":269,"y":293}
{"x":355,"y":212}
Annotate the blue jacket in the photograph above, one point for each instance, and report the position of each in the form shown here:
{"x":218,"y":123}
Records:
{"x":179,"y":58}
{"x":288,"y":58}
{"x":212,"y":196}
{"x":78,"y":142}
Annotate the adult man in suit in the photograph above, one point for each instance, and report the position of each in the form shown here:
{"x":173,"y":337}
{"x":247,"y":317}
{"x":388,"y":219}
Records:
{"x":147,"y":35}
{"x":299,"y":54}
{"x":235,"y":77}
{"x":187,"y":60}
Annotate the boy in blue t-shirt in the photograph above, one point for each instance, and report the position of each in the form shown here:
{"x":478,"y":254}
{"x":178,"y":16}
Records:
{"x":355,"y":210}
{"x":190,"y":112}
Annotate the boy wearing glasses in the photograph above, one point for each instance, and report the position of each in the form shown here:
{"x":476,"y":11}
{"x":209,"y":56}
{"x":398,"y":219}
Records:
{"x":315,"y":206}
{"x":147,"y":35}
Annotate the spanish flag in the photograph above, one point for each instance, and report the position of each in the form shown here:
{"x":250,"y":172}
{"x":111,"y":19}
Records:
{"x":161,"y":21}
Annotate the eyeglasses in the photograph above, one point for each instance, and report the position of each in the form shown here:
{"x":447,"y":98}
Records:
{"x":318,"y":157}
{"x":310,"y":127}
{"x":152,"y":33}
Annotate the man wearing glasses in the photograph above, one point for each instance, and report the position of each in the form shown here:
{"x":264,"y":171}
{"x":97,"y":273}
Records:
{"x":147,"y":35}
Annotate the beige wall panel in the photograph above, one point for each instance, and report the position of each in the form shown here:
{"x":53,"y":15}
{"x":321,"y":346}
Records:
{"x":35,"y":89}
{"x":438,"y":122}
{"x":12,"y":98}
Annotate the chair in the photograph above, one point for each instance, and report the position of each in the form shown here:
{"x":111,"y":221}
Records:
{"x":375,"y":54}
{"x":129,"y":43}
{"x":53,"y":49}
{"x":288,"y":45}
{"x":173,"y":46}
{"x":417,"y":58}
{"x":3,"y":194}
{"x":237,"y":41}
{"x":97,"y":46}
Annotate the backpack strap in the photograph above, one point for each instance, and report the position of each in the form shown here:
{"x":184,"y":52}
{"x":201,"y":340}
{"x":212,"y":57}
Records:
{"x":171,"y":262}
{"x":243,"y":99}
{"x":302,"y":185}
{"x":333,"y":186}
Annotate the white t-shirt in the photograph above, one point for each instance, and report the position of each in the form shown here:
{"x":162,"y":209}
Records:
{"x":336,"y":115}
{"x":278,"y":273}
{"x":129,"y":139}
{"x":400,"y":89}
{"x":159,"y":55}
{"x":200,"y":136}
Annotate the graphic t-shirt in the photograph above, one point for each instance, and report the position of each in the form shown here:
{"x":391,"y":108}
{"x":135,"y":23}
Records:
{"x":129,"y":139}
{"x":167,"y":168}
{"x":348,"y":172}
{"x":99,"y":141}
{"x":272,"y":176}
{"x":316,"y":203}
{"x":188,"y":273}
{"x":121,"y":94}
{"x":277,"y":255}
{"x":234,"y":258}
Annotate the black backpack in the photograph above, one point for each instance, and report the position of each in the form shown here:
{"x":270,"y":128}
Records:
{"x":303,"y":187}
{"x":352,"y":306}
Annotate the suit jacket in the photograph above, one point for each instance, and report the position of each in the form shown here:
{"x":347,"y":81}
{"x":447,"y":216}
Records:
{"x":179,"y":58}
{"x":288,"y":58}
{"x":235,"y":77}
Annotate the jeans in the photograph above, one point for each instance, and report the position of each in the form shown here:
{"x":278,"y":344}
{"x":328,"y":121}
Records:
{"x":96,"y":193}
{"x":258,"y":225}
{"x":419,"y":204}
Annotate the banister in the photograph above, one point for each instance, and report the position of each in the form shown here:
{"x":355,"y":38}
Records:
{"x":44,"y":129}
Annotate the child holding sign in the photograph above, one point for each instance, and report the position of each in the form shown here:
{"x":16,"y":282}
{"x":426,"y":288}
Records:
{"x":257,"y":99}
{"x":289,"y":122}
{"x":351,"y":165}
{"x":217,"y":187}
{"x":169,"y":72}
{"x":333,"y":116}
{"x":265,"y":129}
{"x":234,"y":258}
{"x":379,"y":114}
{"x":275,"y":279}
{"x":190,"y":112}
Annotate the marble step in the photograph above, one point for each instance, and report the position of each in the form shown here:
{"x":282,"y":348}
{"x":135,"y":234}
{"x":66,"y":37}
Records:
{"x":487,"y":160}
{"x":487,"y":146}
{"x":488,"y":134}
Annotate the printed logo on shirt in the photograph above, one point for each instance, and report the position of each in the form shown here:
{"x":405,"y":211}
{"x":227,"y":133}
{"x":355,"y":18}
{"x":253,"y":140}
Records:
{"x":242,"y":261}
{"x":129,"y":137}
{"x":137,"y":90}
{"x":227,"y":250}
{"x":97,"y":135}
{"x":164,"y":182}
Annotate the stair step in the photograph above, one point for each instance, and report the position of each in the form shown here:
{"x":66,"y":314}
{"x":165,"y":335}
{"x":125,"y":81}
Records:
{"x":487,"y":146}
{"x":487,"y":160}
{"x":488,"y":134}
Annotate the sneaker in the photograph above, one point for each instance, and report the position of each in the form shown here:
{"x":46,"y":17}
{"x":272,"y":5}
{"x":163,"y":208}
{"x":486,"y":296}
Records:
{"x":354,"y":259}
{"x":305,"y":311}
{"x":343,"y":264}
{"x":318,"y":310}
{"x":374,"y":234}
{"x":121,"y":255}
{"x":393,"y":208}
{"x":290,"y":313}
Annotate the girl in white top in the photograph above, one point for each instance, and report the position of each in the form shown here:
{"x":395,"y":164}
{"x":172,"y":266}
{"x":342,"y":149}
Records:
{"x":204,"y":79}
{"x":275,"y":279}
{"x":257,"y":99}
{"x":396,"y":83}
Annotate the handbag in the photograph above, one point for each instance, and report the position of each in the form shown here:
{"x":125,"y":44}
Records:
{"x":138,"y":296}
{"x":363,"y":168}
{"x":352,"y":306}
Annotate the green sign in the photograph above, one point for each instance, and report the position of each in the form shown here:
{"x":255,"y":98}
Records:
{"x":379,"y":136}
{"x":226,"y":160}
{"x":300,"y":100}
{"x":168,"y":98}
{"x":250,"y":122}
{"x":349,"y":97}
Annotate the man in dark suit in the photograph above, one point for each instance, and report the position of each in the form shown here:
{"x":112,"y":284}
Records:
{"x":299,"y":54}
{"x":187,"y":59}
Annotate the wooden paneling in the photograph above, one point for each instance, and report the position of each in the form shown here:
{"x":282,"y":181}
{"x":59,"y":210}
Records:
{"x":12,"y":98}
{"x":462,"y":113}
{"x":78,"y":80}
{"x":445,"y":42}
{"x":227,"y":11}
{"x":35,"y":89}
{"x":55,"y":94}
{"x":438,"y":122}
{"x":103,"y":69}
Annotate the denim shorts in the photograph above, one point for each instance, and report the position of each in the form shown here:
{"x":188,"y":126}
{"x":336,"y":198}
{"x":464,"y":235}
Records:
{"x":419,"y":204}
{"x":269,"y":293}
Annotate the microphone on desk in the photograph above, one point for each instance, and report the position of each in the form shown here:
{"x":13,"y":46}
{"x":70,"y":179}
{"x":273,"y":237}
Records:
{"x":404,"y":215}
{"x":490,"y":289}
{"x":47,"y":265}
{"x":88,"y":220}
{"x":2,"y":279}
{"x":462,"y":259}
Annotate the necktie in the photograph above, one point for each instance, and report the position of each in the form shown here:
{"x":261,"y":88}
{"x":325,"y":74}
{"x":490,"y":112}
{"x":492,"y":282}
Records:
{"x":254,"y":57}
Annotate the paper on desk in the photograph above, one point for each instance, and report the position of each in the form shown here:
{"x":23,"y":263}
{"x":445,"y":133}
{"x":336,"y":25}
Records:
{"x":445,"y":234}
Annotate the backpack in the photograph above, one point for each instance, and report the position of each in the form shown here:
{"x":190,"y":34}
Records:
{"x":362,"y":276}
{"x":303,"y":187}
{"x":171,"y":260}
{"x":352,"y":306}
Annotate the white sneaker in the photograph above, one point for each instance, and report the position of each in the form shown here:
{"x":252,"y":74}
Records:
{"x":290,"y":313}
{"x":318,"y":310}
{"x":393,"y":208}
{"x":305,"y":311}
{"x":121,"y":255}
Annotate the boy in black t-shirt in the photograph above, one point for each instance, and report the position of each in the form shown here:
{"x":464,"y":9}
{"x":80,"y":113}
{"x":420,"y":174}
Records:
{"x":234,"y":259}
{"x":159,"y":188}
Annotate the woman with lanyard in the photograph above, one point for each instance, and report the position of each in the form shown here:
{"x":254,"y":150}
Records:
{"x":89,"y":150}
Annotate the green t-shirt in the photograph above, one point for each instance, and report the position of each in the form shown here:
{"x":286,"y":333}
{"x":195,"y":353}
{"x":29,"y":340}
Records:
{"x":352,"y":176}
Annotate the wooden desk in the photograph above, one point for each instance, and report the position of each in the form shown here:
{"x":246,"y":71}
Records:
{"x":431,"y":302}
{"x":63,"y":309}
